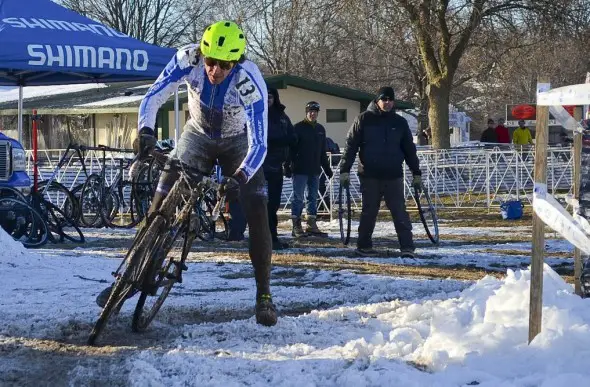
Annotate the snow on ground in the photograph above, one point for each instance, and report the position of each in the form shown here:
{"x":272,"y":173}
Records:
{"x":337,"y":328}
{"x":476,"y":337}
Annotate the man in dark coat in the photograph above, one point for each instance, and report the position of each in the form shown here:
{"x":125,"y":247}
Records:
{"x":308,"y":157}
{"x":280,"y":138}
{"x":489,"y":135}
{"x":383,"y":140}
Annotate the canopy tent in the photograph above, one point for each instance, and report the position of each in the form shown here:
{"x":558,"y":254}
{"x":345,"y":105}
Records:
{"x":44,"y":43}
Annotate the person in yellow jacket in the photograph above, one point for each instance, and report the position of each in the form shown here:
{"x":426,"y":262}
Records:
{"x":522,"y":135}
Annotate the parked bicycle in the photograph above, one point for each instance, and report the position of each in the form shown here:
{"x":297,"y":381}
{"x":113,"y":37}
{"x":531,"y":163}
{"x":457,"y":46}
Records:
{"x":105,"y":204}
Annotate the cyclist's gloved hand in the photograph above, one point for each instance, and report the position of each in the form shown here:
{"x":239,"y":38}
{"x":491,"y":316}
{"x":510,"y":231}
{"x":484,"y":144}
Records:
{"x":345,"y":179}
{"x":230,"y":186}
{"x":287,"y":171}
{"x":329,"y":173}
{"x":417,"y":183}
{"x":144,"y":142}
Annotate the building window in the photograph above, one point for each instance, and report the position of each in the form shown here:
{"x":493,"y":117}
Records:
{"x":335,"y":115}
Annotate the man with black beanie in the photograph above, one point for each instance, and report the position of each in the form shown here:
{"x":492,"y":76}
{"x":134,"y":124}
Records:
{"x":383,"y":140}
{"x":280,"y":138}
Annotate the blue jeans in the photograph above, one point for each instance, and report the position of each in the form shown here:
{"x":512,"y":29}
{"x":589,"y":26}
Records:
{"x":312,"y":183}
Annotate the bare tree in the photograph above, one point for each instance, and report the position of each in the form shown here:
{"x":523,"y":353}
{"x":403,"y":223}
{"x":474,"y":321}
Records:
{"x":160,"y":22}
{"x":443,"y":30}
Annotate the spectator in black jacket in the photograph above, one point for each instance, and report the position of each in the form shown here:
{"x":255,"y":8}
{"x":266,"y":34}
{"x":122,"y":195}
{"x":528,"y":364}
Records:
{"x":489,"y":135}
{"x":383,"y":140}
{"x":308,"y":156}
{"x":280,"y":137}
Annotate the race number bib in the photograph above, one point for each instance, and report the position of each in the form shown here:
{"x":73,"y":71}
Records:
{"x":247,"y":90}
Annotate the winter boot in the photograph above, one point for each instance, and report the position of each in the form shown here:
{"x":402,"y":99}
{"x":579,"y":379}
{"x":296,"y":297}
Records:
{"x":266,"y":313}
{"x":297,"y":228}
{"x":279,"y":245}
{"x":312,"y":227}
{"x":408,"y":253}
{"x":366,"y":252}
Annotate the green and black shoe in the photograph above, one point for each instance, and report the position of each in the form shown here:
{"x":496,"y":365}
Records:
{"x":266,"y":313}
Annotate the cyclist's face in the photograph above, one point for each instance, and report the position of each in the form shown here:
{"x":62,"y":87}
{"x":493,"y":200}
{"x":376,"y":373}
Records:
{"x":216,"y":70}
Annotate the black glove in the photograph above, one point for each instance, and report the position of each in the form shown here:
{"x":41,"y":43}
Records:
{"x":144,"y":142}
{"x":329,"y":173}
{"x":287,"y":171}
{"x":417,"y":183}
{"x":230,"y":186}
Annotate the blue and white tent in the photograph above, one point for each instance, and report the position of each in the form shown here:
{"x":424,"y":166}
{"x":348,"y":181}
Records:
{"x":43,"y":43}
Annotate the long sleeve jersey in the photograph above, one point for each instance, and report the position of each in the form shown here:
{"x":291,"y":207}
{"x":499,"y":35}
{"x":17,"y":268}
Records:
{"x":237,"y":105}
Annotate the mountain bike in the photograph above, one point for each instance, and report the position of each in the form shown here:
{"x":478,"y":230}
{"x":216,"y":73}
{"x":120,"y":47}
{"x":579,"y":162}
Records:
{"x":156,"y":259}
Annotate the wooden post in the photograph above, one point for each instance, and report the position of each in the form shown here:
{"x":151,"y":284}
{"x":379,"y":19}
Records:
{"x":536,"y":291}
{"x":576,"y":182}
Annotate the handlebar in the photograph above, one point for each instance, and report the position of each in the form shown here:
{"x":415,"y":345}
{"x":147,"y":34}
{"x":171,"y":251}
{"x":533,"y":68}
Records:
{"x":192,"y":173}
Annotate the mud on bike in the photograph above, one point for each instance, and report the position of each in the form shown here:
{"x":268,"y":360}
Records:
{"x":156,"y":259}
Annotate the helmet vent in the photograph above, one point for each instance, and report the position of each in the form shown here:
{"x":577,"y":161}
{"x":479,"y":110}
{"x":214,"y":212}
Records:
{"x":241,"y":36}
{"x":221,"y":41}
{"x":227,"y":24}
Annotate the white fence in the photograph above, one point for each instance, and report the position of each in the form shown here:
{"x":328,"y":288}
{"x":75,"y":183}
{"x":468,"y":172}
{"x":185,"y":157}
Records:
{"x":454,"y":178}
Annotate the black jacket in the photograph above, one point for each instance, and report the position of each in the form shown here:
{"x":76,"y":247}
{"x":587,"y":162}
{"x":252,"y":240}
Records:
{"x":489,"y":135}
{"x":308,"y":154}
{"x":334,"y":149}
{"x":384,"y":140}
{"x":280,"y":135}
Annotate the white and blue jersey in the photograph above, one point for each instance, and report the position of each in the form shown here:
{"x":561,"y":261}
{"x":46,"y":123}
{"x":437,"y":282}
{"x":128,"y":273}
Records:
{"x":237,"y":105}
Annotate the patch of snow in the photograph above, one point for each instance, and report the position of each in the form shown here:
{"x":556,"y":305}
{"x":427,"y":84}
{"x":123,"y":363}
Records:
{"x":43,"y":91}
{"x":477,"y":337}
{"x":113,"y":101}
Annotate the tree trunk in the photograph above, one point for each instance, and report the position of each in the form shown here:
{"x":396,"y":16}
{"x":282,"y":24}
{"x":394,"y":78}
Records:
{"x":438,"y":115}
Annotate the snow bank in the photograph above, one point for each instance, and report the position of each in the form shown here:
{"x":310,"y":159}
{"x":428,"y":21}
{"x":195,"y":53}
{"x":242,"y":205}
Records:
{"x":479,"y":337}
{"x":10,"y":250}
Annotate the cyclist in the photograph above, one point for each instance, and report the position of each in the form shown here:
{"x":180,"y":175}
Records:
{"x":227,"y":102}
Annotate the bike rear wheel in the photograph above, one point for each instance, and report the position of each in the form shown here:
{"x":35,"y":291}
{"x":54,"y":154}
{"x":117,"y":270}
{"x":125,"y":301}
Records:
{"x":56,"y":221}
{"x":27,"y":227}
{"x":427,"y":214}
{"x":91,"y":199}
{"x":344,"y":214}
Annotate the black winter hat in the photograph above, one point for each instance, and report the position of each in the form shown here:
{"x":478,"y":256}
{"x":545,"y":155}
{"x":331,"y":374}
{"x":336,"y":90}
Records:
{"x":385,"y":91}
{"x":312,"y":105}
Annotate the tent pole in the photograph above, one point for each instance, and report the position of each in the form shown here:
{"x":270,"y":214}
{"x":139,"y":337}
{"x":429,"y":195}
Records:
{"x":20,"y":114}
{"x":176,"y":118}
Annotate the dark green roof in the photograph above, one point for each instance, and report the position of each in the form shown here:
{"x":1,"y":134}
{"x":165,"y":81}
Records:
{"x":66,"y":103}
{"x":283,"y":80}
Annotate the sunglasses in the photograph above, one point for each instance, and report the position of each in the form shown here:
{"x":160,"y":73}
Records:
{"x":386,"y":99}
{"x":222,"y":64}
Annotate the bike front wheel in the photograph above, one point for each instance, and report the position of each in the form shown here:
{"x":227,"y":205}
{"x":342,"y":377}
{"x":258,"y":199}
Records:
{"x":166,"y":270}
{"x":127,"y":283}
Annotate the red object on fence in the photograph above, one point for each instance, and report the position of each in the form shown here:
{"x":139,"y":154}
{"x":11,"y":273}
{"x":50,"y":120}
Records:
{"x":570,"y":109}
{"x":35,"y":147}
{"x":524,"y":112}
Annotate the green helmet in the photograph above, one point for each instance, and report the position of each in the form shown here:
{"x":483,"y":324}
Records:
{"x":223,"y":40}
